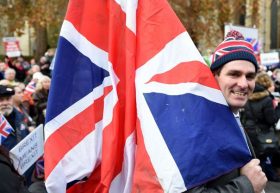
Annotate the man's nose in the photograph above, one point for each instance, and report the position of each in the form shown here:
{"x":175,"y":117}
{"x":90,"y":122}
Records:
{"x":243,"y":82}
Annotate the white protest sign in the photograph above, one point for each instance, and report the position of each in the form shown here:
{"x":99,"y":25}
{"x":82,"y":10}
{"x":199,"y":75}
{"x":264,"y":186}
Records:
{"x":269,"y":59}
{"x":11,"y":45}
{"x":28,"y":150}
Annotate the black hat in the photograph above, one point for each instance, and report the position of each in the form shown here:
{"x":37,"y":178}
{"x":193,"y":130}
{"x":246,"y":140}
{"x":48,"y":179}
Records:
{"x":6,"y":91}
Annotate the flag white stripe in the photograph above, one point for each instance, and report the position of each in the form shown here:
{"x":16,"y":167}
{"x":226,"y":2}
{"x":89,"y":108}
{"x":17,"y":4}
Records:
{"x":129,"y":7}
{"x":56,"y":181}
{"x":180,"y":49}
{"x":95,"y":54}
{"x":208,"y":93}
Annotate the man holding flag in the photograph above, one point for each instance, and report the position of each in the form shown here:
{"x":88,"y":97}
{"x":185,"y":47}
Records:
{"x":234,"y":67}
{"x":136,"y":110}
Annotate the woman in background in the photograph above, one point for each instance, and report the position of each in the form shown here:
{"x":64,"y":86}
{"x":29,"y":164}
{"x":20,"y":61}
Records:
{"x":40,"y":98}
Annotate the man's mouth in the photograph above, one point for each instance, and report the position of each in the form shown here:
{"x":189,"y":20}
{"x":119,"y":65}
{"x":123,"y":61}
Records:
{"x":237,"y":93}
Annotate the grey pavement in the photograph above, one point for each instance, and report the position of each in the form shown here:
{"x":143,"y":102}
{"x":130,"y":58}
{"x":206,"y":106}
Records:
{"x":272,"y":187}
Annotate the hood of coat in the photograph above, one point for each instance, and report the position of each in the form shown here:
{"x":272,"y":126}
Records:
{"x":259,"y":93}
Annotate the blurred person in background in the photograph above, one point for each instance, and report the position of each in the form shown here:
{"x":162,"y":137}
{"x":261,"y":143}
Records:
{"x":10,"y":76}
{"x":30,"y":88}
{"x":10,"y":180}
{"x":20,"y":71}
{"x":8,"y":61}
{"x":17,"y":101}
{"x":35,"y":68}
{"x":276,"y":78}
{"x":26,"y":65}
{"x":260,"y":114}
{"x":45,"y":66}
{"x":40,"y":98}
{"x":33,"y":62}
{"x":3,"y":67}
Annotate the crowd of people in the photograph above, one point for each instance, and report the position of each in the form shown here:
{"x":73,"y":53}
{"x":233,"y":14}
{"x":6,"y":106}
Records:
{"x":24,"y":89}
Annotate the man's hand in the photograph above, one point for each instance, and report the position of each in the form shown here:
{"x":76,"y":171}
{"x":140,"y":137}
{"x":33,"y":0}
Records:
{"x":255,"y":174}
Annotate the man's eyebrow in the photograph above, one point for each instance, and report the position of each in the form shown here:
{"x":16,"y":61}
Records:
{"x":234,"y":71}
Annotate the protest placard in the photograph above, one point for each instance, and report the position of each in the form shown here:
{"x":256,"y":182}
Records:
{"x":27,"y":152}
{"x":270,"y":59}
{"x":11,"y":45}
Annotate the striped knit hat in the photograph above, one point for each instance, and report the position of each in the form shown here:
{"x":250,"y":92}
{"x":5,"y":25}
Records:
{"x":234,"y":47}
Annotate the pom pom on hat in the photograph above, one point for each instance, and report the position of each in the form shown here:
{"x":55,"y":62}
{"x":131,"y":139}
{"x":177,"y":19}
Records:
{"x":234,"y":47}
{"x":235,"y":34}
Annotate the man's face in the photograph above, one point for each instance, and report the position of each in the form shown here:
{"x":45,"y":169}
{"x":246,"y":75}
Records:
{"x":237,"y":82}
{"x":6,"y":105}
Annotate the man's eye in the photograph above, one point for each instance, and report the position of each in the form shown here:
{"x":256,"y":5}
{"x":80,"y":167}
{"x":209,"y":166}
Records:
{"x":250,"y":77}
{"x":234,"y":74}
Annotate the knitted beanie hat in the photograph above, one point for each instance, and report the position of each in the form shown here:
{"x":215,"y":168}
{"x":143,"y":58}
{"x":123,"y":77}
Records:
{"x":234,"y":47}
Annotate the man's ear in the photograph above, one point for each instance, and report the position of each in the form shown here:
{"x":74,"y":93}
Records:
{"x":215,"y":74}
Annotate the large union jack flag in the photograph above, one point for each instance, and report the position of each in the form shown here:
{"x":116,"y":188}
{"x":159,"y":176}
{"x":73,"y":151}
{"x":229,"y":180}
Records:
{"x":132,"y":106}
{"x":5,"y":129}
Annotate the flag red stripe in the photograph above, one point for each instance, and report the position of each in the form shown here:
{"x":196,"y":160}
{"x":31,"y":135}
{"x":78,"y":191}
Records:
{"x":151,"y":20}
{"x":88,"y":17}
{"x":187,"y":72}
{"x":145,"y":179}
{"x":92,"y":184}
{"x":75,"y":130}
{"x":2,"y":127}
{"x":3,"y":124}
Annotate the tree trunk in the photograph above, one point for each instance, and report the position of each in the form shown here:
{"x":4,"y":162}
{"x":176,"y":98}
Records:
{"x":41,"y":41}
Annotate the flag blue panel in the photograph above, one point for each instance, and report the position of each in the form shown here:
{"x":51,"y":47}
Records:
{"x":207,"y":129}
{"x":74,"y":77}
